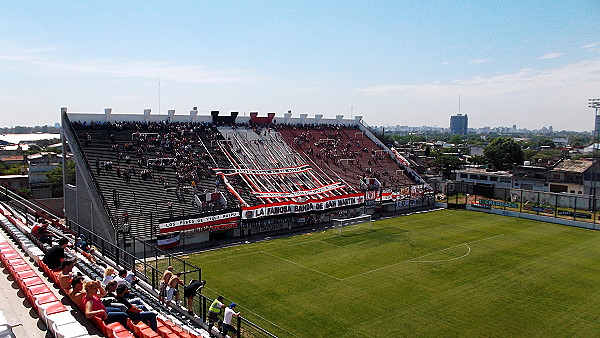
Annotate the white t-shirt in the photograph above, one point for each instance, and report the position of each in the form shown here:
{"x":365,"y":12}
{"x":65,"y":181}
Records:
{"x":129,"y":277}
{"x":121,"y":280}
{"x":107,"y":280}
{"x":228,"y":315}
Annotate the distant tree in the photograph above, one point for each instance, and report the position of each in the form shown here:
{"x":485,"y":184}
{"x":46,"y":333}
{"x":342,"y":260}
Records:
{"x":534,"y":155}
{"x":503,"y":152}
{"x":455,"y":139}
{"x":546,"y":142}
{"x":580,"y":140}
{"x":406,"y":139}
{"x":446,"y":162}
{"x":479,"y":159}
{"x":55,"y":178}
{"x":25,"y":192}
{"x":10,"y":169}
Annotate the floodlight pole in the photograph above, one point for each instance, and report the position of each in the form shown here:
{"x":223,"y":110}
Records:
{"x":595,"y":103}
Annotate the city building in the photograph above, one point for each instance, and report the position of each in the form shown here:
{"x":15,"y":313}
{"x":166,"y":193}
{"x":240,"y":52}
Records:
{"x":459,"y":124}
{"x":565,"y":176}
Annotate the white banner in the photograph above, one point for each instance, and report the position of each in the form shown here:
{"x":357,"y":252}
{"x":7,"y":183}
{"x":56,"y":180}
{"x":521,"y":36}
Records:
{"x":315,"y":191}
{"x":168,"y":241}
{"x":291,"y":207}
{"x":206,"y":221}
{"x":274,"y":171}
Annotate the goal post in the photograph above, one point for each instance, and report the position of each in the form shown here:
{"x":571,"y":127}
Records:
{"x":343,"y":222}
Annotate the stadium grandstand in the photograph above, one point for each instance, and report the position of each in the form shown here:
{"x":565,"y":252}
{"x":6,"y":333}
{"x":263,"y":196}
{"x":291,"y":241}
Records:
{"x":188,"y":179}
{"x":145,"y":183}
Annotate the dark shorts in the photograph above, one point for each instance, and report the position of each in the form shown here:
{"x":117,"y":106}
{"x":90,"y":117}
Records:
{"x":213,"y":317}
{"x":163,"y":289}
{"x":228,"y":328}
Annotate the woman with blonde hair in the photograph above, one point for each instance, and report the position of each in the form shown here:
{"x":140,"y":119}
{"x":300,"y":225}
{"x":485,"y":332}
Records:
{"x":93,"y":306}
{"x":109,"y":274}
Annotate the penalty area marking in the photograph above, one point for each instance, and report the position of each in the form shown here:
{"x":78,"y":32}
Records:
{"x":416,"y":258}
{"x":302,"y":266}
{"x":446,"y":260}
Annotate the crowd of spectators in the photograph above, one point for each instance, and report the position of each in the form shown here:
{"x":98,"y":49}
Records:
{"x":330,"y":145}
{"x":110,"y":300}
{"x":157,"y":147}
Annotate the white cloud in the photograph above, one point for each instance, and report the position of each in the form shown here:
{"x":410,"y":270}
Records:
{"x":552,"y":55}
{"x":479,"y":61}
{"x":136,"y":69}
{"x":523,"y":82}
{"x":592,"y":47}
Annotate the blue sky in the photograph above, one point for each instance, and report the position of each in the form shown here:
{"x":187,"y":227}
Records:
{"x":533,"y":63}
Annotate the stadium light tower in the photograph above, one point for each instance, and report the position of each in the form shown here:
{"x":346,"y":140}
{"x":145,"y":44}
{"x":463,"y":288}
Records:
{"x":595,"y":103}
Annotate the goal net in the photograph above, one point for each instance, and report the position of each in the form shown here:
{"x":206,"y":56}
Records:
{"x":362,"y":219}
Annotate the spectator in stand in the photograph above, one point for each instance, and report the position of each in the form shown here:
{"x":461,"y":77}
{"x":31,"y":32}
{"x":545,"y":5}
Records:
{"x":109,"y":275}
{"x":93,"y":306}
{"x":134,"y":312}
{"x":131,"y":278}
{"x":56,"y":255}
{"x":162,"y":294}
{"x":111,"y":289}
{"x":65,"y":276}
{"x":82,"y":243}
{"x":120,"y":277}
{"x":190,"y":291}
{"x":213,"y":313}
{"x":227,"y":317}
{"x":41,"y":232}
{"x":172,"y":288}
{"x":76,"y":293}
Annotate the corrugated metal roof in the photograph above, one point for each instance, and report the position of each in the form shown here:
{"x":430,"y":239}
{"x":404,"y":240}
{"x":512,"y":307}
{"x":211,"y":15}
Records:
{"x":577,"y":166}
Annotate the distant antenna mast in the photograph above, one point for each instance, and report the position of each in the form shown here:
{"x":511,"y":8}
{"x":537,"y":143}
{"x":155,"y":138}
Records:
{"x":459,"y":103}
{"x":351,"y":112}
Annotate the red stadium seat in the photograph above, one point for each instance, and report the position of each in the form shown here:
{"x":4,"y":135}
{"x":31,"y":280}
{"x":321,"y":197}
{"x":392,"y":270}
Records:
{"x":32,"y":291}
{"x":19,"y":268}
{"x":148,"y":333}
{"x":31,"y":281}
{"x":20,"y":275}
{"x":114,"y":330}
{"x":43,"y":298}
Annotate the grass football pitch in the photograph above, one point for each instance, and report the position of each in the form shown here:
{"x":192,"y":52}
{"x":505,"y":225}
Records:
{"x":441,"y":273}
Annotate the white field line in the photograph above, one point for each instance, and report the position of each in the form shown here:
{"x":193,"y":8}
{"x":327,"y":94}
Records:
{"x":302,"y":266}
{"x":447,"y":260}
{"x":416,"y":258}
{"x":307,"y":242}
{"x":365,"y":241}
{"x":230,"y":257}
{"x":257,"y":315}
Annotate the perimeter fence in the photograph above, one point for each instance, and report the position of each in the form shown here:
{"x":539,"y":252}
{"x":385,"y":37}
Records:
{"x":577,"y":207}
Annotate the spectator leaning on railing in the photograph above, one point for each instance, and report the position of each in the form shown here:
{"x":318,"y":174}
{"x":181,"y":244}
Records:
{"x":227,"y":317}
